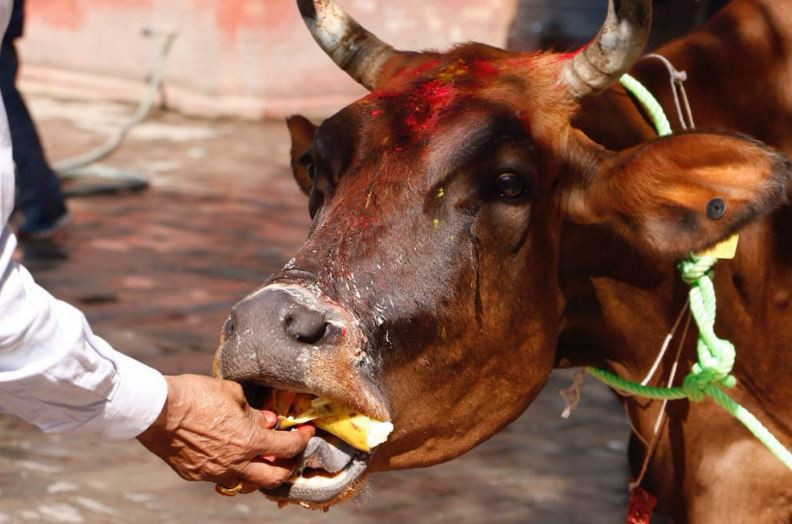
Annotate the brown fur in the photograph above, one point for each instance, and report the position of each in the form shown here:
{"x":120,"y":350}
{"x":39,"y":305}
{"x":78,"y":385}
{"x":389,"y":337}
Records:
{"x":467,"y":301}
{"x":707,"y":468}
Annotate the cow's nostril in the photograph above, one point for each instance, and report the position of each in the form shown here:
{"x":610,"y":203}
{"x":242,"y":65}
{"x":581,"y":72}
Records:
{"x":228,"y":327}
{"x":306,"y":326}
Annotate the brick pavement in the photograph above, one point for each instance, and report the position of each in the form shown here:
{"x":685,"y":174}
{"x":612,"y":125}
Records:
{"x":156,"y":273}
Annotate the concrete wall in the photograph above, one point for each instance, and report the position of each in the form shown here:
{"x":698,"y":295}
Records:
{"x":249,"y":58}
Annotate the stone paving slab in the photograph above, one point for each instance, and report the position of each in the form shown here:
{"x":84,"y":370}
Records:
{"x":156,"y":273}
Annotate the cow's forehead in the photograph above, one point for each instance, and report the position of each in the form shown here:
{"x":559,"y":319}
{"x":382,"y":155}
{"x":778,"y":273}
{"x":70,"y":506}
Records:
{"x":419,"y":97}
{"x":423,"y":107}
{"x":415,"y":101}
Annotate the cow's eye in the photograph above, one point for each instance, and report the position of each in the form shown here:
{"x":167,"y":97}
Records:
{"x":511,"y":186}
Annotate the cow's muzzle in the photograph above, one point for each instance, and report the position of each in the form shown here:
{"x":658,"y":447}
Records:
{"x":286,"y":336}
{"x":273,"y":334}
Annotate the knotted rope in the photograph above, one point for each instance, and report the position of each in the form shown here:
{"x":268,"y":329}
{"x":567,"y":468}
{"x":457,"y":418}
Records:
{"x":716,"y":356}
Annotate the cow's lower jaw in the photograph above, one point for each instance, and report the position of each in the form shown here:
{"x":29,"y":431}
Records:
{"x":318,"y":489}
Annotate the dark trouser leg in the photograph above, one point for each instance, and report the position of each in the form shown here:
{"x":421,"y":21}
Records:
{"x":40,"y":194}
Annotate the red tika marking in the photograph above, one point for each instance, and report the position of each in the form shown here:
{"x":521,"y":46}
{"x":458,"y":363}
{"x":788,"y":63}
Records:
{"x":642,"y":504}
{"x":482,"y":68}
{"x":419,"y":70}
{"x":427,"y":101}
{"x":408,"y":75}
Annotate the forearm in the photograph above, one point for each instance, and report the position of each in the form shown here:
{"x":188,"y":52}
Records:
{"x":55,"y":373}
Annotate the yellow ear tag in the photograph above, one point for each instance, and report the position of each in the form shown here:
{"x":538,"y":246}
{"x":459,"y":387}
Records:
{"x":725,"y":250}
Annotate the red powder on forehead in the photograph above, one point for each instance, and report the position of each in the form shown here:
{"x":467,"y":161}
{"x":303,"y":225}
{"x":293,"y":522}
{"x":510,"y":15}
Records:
{"x":482,"y":68}
{"x":427,"y":101}
{"x":422,"y":93}
{"x":419,"y":70}
{"x":435,"y":93}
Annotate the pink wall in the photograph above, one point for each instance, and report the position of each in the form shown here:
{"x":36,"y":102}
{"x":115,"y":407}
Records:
{"x":248,"y":58}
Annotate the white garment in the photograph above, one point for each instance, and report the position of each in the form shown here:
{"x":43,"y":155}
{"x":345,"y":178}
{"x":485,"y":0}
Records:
{"x":54,"y":372}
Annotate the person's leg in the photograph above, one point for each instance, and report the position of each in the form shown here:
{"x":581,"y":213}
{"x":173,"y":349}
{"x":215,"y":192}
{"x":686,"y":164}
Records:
{"x":40,"y":193}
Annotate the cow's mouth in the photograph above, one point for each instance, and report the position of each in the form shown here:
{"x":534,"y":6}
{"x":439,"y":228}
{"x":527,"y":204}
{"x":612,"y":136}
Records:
{"x":318,"y":488}
{"x":328,"y":471}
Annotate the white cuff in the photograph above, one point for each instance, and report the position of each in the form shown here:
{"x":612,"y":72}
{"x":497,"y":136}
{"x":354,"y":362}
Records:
{"x":135,"y":403}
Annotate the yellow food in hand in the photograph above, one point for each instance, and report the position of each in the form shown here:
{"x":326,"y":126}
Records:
{"x":359,"y":431}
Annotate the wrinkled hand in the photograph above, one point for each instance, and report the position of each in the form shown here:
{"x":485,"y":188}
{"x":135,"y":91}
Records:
{"x":207,"y":431}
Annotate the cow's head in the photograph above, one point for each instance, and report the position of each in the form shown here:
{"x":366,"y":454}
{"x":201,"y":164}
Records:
{"x":427,"y":291}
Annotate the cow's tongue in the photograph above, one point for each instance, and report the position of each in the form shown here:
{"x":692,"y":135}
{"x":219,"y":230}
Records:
{"x":328,"y":453}
{"x":327,"y":467}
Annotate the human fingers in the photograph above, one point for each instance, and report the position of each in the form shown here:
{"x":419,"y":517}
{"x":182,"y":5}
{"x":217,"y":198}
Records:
{"x":268,"y":475}
{"x":281,"y":444}
{"x":266,"y":419}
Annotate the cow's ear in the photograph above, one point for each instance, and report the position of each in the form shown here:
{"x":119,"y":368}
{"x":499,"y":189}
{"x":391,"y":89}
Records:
{"x":302,"y":136}
{"x":682,"y":193}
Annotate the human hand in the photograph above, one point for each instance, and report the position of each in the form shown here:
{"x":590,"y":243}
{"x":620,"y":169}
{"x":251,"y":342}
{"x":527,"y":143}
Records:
{"x":207,"y":431}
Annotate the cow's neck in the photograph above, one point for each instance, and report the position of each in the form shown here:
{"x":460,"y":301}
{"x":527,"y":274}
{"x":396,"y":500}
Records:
{"x":621,"y":305}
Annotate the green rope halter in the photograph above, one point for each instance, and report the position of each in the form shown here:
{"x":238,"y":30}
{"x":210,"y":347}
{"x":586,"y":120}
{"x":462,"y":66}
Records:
{"x":716,"y":356}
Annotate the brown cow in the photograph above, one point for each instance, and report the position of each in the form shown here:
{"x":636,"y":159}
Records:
{"x":483,"y":216}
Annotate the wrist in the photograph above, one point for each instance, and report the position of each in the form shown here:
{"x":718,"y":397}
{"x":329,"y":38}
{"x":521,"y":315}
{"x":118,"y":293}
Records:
{"x":162,"y":422}
{"x":136,"y":400}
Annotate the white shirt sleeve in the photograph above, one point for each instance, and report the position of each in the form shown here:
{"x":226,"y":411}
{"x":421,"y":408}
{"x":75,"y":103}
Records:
{"x":54,"y":372}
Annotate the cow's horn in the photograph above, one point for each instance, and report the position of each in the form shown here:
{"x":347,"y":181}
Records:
{"x":615,"y":49}
{"x":357,"y":51}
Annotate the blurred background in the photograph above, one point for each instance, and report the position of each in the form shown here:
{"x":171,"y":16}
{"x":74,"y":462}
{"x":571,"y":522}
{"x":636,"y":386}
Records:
{"x":248,"y":58}
{"x":156,"y":270}
{"x":253,"y":58}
